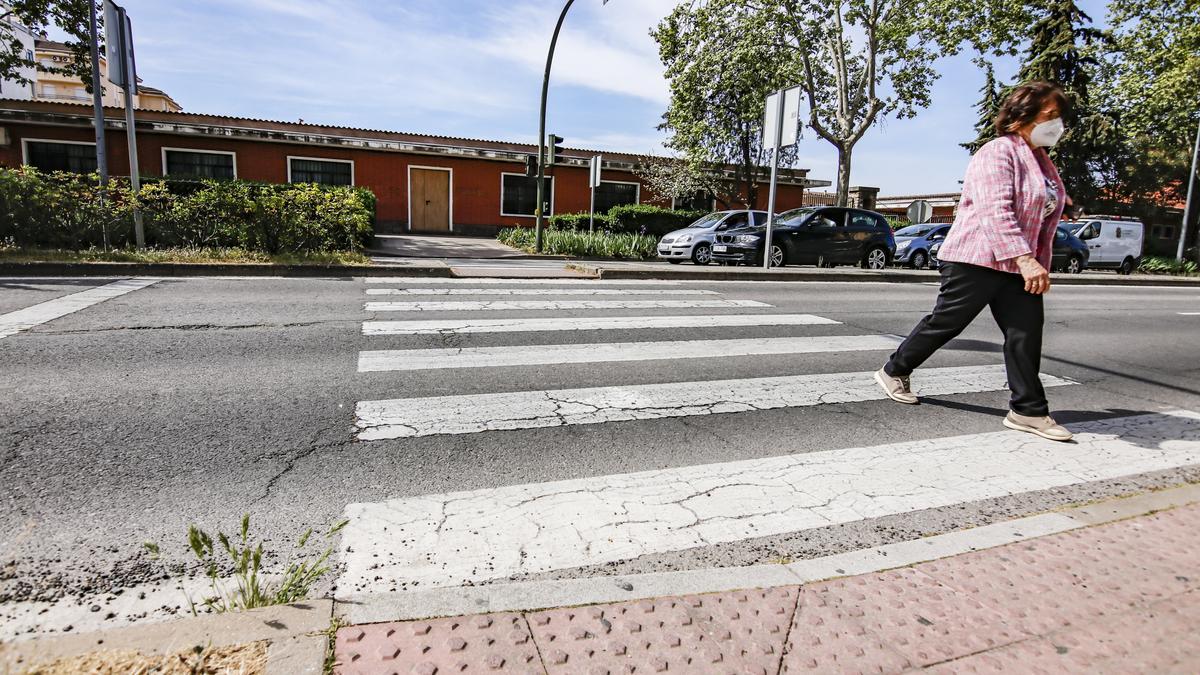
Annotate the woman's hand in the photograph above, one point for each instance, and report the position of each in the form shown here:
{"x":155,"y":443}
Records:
{"x":1037,"y":279}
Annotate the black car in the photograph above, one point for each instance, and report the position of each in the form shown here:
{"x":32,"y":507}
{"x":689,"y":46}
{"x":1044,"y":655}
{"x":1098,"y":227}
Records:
{"x":823,"y":236}
{"x":1070,"y":253}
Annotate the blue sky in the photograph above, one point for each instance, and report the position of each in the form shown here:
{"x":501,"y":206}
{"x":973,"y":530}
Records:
{"x":473,"y":68}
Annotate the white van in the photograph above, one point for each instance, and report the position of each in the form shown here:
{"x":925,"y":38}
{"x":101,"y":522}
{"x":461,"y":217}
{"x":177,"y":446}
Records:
{"x":1113,"y":242}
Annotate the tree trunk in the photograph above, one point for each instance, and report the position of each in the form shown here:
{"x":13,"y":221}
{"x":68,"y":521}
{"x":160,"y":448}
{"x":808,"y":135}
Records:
{"x":843,"y":177}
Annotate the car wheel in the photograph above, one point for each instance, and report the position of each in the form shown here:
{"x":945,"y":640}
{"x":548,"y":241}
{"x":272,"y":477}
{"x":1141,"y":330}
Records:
{"x":1126,"y":266}
{"x":674,"y":262}
{"x":702,"y":254}
{"x":875,"y":259}
{"x":1074,"y":265}
{"x":919,"y":260}
{"x":778,"y":256}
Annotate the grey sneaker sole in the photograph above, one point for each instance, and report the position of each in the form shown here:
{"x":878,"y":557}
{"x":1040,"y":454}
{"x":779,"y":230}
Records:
{"x":1036,"y":432}
{"x":886,"y":390}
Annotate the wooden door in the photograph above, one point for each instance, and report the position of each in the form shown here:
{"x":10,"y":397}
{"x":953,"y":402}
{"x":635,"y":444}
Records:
{"x":429,"y":199}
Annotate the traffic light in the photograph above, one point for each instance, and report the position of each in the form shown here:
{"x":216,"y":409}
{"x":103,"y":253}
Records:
{"x":554,"y":149}
{"x":531,"y":166}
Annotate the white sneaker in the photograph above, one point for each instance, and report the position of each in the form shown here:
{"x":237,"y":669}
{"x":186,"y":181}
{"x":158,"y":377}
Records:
{"x":896,"y":388}
{"x":1045,"y":427}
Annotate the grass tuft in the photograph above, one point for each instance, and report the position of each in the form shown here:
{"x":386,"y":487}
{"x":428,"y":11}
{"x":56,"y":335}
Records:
{"x":582,"y":244}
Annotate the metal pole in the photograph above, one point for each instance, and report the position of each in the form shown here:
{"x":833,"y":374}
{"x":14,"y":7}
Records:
{"x":541,"y":178}
{"x":1189,"y":206}
{"x":135,"y":180}
{"x":98,"y":108}
{"x":774,"y":176}
{"x":592,"y":212}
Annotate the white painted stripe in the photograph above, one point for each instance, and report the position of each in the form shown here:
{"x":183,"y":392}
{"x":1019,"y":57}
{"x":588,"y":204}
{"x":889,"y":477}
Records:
{"x":478,"y":281}
{"x":459,"y":538}
{"x":612,"y":352}
{"x":593,"y":323}
{"x":518,"y":305}
{"x":539,"y":291}
{"x":1189,"y":314}
{"x":476,"y":413}
{"x":24,"y":319}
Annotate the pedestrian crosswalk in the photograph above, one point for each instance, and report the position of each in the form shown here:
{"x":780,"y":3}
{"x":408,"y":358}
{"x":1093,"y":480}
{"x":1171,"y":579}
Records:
{"x":472,"y":537}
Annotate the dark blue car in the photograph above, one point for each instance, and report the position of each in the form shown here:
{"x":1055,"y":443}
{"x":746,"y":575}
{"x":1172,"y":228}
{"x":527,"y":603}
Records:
{"x":914,"y":242}
{"x":1070,"y":253}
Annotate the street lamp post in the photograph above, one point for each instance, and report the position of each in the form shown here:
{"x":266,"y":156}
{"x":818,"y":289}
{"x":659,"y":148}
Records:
{"x":541,"y":172}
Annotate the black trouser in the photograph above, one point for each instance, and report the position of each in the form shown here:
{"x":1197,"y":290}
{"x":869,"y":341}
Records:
{"x":966,"y":290}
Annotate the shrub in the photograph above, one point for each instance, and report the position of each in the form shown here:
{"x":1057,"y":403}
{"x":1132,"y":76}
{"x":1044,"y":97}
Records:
{"x":1157,"y":265}
{"x":70,"y":211}
{"x":579,"y":222}
{"x":649,"y":220}
{"x":583,"y":244}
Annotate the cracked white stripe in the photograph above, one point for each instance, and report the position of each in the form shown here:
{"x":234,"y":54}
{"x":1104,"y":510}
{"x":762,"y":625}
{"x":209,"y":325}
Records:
{"x":24,"y":319}
{"x":452,"y":326}
{"x":476,"y":413}
{"x":517,"y":305}
{"x":465,"y":537}
{"x":612,"y":352}
{"x":539,"y":291}
{"x":440,"y":281}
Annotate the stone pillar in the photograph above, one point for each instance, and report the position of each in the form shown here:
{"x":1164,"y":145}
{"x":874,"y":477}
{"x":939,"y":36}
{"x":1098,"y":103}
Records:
{"x":863,"y":197}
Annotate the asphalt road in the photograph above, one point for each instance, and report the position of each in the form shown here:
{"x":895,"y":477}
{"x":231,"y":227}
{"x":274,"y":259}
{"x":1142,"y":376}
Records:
{"x":198,"y":400}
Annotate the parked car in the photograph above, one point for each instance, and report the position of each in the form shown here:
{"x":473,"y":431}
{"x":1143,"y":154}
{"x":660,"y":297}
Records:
{"x":695,"y":241}
{"x":913,"y":243}
{"x":1113,"y":243}
{"x":823,"y":236}
{"x":1070,"y":254}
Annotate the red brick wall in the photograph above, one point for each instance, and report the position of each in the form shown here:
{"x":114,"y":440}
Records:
{"x":476,"y":182}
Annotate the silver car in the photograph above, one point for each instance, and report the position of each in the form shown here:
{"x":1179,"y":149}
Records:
{"x":695,"y":241}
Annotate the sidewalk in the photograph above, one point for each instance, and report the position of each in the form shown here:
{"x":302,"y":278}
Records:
{"x":1118,"y":597}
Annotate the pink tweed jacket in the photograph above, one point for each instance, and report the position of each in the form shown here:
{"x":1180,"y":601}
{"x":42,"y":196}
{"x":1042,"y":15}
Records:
{"x":1000,"y":215}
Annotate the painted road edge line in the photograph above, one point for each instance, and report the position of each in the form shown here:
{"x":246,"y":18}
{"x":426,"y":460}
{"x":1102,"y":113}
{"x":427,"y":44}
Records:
{"x":35,"y":315}
{"x":537,"y":595}
{"x":438,"y":327}
{"x":537,"y":305}
{"x":571,"y":291}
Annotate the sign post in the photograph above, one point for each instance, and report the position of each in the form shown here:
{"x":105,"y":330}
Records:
{"x":98,"y":108}
{"x":122,"y":71}
{"x":781,"y":129}
{"x":593,"y":183}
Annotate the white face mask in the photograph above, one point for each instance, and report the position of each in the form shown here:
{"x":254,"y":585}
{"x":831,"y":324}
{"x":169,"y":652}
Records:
{"x":1046,"y":134}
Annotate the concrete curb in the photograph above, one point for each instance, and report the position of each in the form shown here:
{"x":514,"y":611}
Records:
{"x":538,"y":595}
{"x":296,"y":634}
{"x":894,"y":276}
{"x":112,"y":269}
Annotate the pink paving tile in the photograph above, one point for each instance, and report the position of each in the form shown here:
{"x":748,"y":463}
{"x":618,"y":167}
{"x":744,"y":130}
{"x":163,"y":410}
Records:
{"x":829,"y":637}
{"x":904,"y":610}
{"x":487,"y":643}
{"x":736,"y":632}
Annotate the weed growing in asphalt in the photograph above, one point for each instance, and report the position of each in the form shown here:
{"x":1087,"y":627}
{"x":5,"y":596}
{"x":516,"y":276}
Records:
{"x":253,"y":589}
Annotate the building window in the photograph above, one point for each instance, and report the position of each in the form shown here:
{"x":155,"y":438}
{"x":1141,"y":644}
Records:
{"x":199,"y":164}
{"x":519,"y":195}
{"x":611,"y":194}
{"x":321,"y":171}
{"x":699,"y":200}
{"x":51,"y":156}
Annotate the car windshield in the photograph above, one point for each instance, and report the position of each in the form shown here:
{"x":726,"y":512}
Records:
{"x":914,"y":231}
{"x":709,"y":220}
{"x":794,"y":216}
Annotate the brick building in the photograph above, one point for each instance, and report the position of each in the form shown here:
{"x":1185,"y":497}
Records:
{"x":423,"y":183}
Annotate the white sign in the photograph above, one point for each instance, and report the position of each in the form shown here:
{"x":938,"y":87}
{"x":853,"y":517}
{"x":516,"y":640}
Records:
{"x":791,"y":119}
{"x":594,"y":171}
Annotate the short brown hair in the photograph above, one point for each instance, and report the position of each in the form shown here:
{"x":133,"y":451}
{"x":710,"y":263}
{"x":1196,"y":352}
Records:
{"x":1025,"y":103}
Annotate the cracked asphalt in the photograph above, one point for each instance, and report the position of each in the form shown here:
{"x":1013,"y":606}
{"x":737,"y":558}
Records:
{"x":198,"y":400}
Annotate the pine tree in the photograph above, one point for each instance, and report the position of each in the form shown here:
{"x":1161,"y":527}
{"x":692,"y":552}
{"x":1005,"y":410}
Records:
{"x":1059,"y":53}
{"x":988,"y":106}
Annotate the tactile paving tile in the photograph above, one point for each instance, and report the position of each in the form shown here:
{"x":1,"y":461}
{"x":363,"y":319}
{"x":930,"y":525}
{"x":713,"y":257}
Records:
{"x":910,"y":612}
{"x":828,"y":637}
{"x":486,"y":643}
{"x":737,"y":632}
{"x":1054,"y":582}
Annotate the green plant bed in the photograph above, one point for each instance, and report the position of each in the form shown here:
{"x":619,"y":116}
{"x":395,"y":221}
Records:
{"x":582,"y":244}
{"x":207,"y":256}
{"x":1171,"y":266}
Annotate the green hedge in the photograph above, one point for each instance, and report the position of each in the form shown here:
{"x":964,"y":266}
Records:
{"x":70,"y":211}
{"x":584,"y":244}
{"x":649,"y":220}
{"x":1164,"y":265}
{"x":579,"y":222}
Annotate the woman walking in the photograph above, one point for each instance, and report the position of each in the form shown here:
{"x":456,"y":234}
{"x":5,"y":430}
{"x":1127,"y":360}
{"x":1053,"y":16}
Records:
{"x":997,"y":255}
